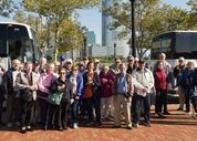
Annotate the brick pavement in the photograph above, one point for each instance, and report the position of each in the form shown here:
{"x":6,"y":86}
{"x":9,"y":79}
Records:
{"x":177,"y":127}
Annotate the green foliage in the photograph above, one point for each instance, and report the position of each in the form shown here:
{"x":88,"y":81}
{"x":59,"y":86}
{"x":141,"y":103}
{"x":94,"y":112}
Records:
{"x":152,"y":18}
{"x":7,"y":7}
{"x":61,"y":27}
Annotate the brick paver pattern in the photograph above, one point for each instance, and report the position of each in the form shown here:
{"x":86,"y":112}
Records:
{"x":176,"y":127}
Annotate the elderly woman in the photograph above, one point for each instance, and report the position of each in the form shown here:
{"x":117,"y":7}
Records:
{"x":59,"y":111}
{"x":161,"y":88}
{"x":107,"y":85}
{"x":44,"y":85}
{"x":91,"y":95}
{"x":76,"y":80}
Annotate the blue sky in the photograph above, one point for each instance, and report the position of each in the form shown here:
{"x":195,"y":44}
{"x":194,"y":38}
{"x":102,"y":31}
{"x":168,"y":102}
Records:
{"x":92,"y":17}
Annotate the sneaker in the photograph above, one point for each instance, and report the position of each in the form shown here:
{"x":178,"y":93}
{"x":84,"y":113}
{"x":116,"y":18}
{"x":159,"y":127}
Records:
{"x":129,"y":126}
{"x":136,"y":125}
{"x":147,"y":124}
{"x":75,"y":126}
{"x":23,"y":130}
{"x":29,"y":128}
{"x":60,"y":129}
{"x":189,"y":114}
{"x":161,"y":115}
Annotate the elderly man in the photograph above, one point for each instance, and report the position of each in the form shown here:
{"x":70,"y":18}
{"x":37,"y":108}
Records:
{"x":114,"y":68}
{"x":131,"y":64}
{"x":143,"y":83}
{"x":27,"y":81}
{"x":124,"y":92}
{"x":11,"y":93}
{"x":178,"y":70}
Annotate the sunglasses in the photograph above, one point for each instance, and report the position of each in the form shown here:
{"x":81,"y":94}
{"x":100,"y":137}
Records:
{"x":62,"y":72}
{"x":117,"y":62}
{"x":130,"y":60}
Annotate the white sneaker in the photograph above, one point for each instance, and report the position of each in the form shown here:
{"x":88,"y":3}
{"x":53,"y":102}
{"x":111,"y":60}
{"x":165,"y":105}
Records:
{"x":136,"y":125}
{"x":189,"y":114}
{"x":75,"y":126}
{"x":23,"y":128}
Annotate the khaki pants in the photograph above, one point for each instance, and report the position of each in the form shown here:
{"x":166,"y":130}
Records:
{"x":107,"y":107}
{"x":126,"y":103}
{"x":181,"y":97}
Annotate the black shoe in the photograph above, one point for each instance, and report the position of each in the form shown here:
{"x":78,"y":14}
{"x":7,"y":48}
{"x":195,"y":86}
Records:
{"x":180,"y":109}
{"x":166,"y":113}
{"x":161,"y":116}
{"x":147,"y":124}
{"x":98,"y":124}
{"x":116,"y":126}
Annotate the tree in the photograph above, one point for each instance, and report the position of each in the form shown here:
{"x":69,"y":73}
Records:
{"x":7,"y":7}
{"x":55,"y":14}
{"x":152,"y":18}
{"x":36,"y":24}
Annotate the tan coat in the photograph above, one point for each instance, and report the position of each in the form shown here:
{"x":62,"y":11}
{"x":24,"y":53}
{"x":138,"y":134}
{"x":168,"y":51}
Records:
{"x":22,"y":81}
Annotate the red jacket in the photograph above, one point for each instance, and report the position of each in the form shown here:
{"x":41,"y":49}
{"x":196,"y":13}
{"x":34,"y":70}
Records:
{"x":160,"y":80}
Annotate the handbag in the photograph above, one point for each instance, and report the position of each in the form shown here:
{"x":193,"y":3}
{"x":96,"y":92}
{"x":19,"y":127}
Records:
{"x":55,"y":98}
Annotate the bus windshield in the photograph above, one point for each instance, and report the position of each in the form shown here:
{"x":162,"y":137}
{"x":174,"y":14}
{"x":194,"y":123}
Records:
{"x":16,"y":42}
{"x":175,"y":44}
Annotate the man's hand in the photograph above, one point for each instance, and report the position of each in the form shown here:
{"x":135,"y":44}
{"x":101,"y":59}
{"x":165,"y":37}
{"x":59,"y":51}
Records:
{"x":76,"y":97}
{"x":104,"y":80}
{"x":71,"y":101}
{"x":145,"y":90}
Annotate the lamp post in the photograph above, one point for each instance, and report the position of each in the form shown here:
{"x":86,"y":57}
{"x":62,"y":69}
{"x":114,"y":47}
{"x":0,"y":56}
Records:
{"x":133,"y":27}
{"x":115,"y":50}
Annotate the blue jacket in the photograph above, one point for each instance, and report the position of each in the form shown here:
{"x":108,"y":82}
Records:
{"x":187,"y":76}
{"x":80,"y":85}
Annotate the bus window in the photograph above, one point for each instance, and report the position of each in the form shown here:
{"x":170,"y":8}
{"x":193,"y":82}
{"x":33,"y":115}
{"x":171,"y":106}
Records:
{"x":15,"y":47}
{"x":28,"y":50}
{"x":3,"y":48}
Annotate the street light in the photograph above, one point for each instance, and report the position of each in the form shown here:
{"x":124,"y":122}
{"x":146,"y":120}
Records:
{"x":133,"y":27}
{"x":115,"y":50}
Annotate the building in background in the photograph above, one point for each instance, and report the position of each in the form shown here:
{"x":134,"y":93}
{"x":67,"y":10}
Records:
{"x":90,"y":38}
{"x":110,"y":37}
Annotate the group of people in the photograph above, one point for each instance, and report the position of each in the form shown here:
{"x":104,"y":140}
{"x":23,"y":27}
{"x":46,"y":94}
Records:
{"x":63,"y":94}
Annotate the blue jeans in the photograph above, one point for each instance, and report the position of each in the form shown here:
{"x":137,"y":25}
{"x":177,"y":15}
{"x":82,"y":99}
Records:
{"x":138,"y":101}
{"x":75,"y":111}
{"x":187,"y":92}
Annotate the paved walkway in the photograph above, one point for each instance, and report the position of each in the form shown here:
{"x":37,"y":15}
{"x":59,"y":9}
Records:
{"x":177,"y":127}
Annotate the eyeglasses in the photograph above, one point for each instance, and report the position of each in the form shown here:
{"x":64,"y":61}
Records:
{"x":130,"y":60}
{"x":117,"y":62}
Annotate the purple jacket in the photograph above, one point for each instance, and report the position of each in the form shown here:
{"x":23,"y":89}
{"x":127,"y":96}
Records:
{"x":106,"y":86}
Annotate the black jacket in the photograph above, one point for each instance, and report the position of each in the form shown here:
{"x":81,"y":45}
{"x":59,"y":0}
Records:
{"x":8,"y":83}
